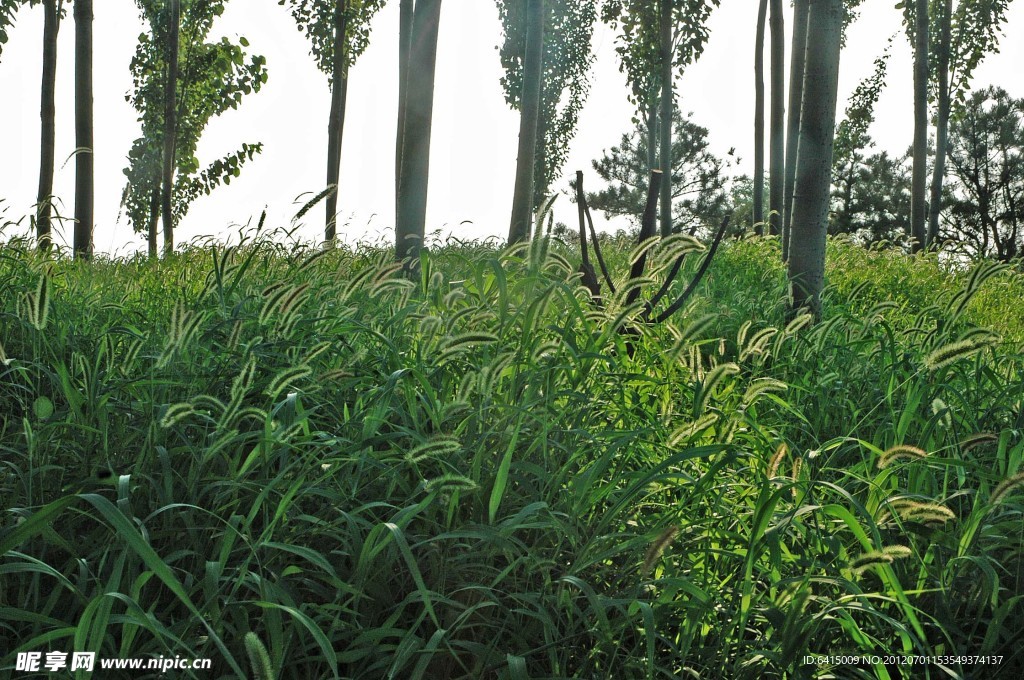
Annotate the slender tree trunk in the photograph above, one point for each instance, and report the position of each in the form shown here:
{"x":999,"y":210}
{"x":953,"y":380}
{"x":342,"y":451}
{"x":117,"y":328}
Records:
{"x":336,"y":122}
{"x":919,"y":180}
{"x":529,"y":124}
{"x":652,"y":133}
{"x":410,"y":225}
{"x":667,"y":97}
{"x":170,"y":123}
{"x":154,"y":215}
{"x":47,"y":114}
{"x":758,"y":216}
{"x":405,"y":14}
{"x":83,"y":130}
{"x":798,"y":51}
{"x":814,"y":171}
{"x":941,"y":125}
{"x":777,"y":159}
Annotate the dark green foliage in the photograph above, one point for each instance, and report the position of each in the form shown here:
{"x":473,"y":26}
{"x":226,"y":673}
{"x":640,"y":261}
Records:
{"x":638,"y":44}
{"x":985,"y":214}
{"x":315,"y":18}
{"x":8,"y":8}
{"x":871,"y":196}
{"x":299,"y":461}
{"x":698,"y":177}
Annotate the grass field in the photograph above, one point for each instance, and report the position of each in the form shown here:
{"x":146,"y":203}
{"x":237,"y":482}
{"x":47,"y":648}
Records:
{"x":301,"y":464}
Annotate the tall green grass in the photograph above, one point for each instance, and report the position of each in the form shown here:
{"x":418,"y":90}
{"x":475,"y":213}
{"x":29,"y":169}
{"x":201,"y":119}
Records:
{"x":303,"y":464}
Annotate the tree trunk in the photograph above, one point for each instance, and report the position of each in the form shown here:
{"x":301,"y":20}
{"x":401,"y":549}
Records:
{"x":758,"y":216}
{"x":410,"y":224}
{"x":814,"y":170}
{"x":798,"y":51}
{"x":919,"y":180}
{"x":529,"y":124}
{"x":777,"y":145}
{"x":336,"y":122}
{"x":652,"y":133}
{"x":170,"y":123}
{"x":154,"y":214}
{"x":666,"y":117}
{"x":47,"y":114}
{"x":83,"y":130}
{"x":941,"y":125}
{"x":405,"y":15}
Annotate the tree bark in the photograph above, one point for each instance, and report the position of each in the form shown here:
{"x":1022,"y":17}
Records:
{"x":647,"y":231}
{"x":410,"y":224}
{"x":814,"y":170}
{"x":758,"y":216}
{"x":336,"y":122}
{"x":667,"y":96}
{"x":777,"y":145}
{"x":405,"y":16}
{"x":798,"y":51}
{"x":918,"y":205}
{"x":47,"y":114}
{"x":652,"y":133}
{"x":529,"y":124}
{"x":170,"y":123}
{"x":154,"y":215}
{"x":941,"y":124}
{"x":83,"y":130}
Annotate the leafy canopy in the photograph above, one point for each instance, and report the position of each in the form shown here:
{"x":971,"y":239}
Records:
{"x":639,"y":45}
{"x":316,"y":19}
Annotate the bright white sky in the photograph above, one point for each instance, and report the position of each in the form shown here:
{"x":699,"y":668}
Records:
{"x":474,"y":137}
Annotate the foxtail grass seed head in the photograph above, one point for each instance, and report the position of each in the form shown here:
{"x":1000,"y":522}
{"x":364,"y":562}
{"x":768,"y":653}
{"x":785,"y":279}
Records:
{"x":897,"y":551}
{"x":657,"y":548}
{"x":886,"y":555}
{"x":978,"y":440}
{"x":440,"y":448}
{"x":946,"y":355}
{"x":869,"y":559}
{"x":900,"y":452}
{"x":176,"y":413}
{"x":798,"y":466}
{"x":1006,"y":487}
{"x":763,"y":386}
{"x":450,"y":482}
{"x":940,"y":409}
{"x":262,"y":669}
{"x":776,"y":460}
{"x":39,"y":303}
{"x":757,"y":343}
{"x":910,"y":510}
{"x":691,"y":429}
{"x":285,"y":378}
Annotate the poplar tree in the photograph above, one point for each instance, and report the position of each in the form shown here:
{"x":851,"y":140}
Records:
{"x":338,"y":32}
{"x":208,"y":79}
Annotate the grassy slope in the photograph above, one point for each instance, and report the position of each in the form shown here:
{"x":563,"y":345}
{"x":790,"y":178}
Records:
{"x":469,"y":476}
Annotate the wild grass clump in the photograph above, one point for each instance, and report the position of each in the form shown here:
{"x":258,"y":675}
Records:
{"x":302,"y":463}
